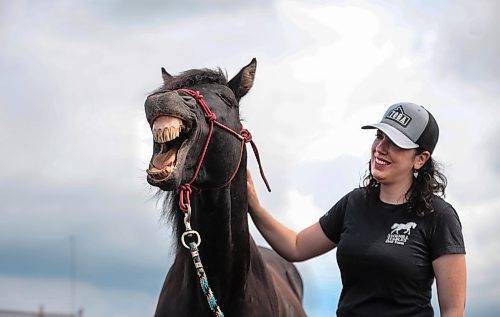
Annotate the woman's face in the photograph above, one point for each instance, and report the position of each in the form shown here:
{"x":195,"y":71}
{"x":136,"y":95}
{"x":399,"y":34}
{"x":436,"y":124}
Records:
{"x":391,"y":164}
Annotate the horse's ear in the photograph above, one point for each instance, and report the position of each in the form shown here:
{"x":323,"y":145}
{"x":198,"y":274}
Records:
{"x":243,"y":81}
{"x":166,"y":76}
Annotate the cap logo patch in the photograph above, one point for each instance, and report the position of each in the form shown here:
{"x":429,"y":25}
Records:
{"x":399,"y":116}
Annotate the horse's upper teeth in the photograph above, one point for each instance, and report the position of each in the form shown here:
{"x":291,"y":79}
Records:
{"x":166,"y":134}
{"x":174,"y":133}
{"x":166,"y":128}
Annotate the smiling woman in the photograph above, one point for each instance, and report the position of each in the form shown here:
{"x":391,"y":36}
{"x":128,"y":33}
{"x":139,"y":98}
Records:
{"x":394,"y":235}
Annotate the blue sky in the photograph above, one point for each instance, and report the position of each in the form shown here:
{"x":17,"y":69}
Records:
{"x":75,"y":143}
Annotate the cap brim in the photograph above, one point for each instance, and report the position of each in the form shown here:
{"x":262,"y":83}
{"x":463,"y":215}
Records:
{"x":394,"y":134}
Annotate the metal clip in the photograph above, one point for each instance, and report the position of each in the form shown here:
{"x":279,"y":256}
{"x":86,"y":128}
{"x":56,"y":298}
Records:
{"x":187,"y":218}
{"x":189,"y":231}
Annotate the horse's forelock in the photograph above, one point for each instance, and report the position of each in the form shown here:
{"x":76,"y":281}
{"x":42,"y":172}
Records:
{"x":196,"y":77}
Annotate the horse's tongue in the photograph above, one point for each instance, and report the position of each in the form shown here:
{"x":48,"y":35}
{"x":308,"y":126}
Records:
{"x":167,"y":158}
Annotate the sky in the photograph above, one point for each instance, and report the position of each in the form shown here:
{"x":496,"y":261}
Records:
{"x":79,"y":225}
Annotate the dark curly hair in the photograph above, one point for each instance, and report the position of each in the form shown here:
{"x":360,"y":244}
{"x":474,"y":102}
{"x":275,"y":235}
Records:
{"x":429,"y":181}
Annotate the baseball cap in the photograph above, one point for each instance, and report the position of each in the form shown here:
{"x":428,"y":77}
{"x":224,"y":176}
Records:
{"x":409,"y":126}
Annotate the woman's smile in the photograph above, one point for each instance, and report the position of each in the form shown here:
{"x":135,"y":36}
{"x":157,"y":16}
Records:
{"x":380,"y":163}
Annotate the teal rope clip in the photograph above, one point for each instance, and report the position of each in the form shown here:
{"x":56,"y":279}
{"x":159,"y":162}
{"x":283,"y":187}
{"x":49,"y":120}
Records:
{"x":212,"y":302}
{"x":193,"y":248}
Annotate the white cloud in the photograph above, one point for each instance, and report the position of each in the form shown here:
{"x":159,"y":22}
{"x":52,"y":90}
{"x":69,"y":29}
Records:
{"x":480,"y":221}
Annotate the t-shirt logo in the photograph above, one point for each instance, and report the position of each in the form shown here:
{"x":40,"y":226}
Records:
{"x":399,"y":116}
{"x":400,"y":233}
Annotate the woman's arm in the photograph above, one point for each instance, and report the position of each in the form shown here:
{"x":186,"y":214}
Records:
{"x":451,"y":278}
{"x":294,"y":247}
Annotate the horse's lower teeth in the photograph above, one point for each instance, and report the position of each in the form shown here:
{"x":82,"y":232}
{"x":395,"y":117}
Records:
{"x":164,"y":172}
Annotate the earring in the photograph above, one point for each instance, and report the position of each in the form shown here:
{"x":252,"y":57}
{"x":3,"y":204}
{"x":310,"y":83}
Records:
{"x":415,"y":173}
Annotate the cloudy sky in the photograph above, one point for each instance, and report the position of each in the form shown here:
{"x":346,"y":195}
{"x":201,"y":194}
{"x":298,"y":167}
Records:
{"x":75,"y":144}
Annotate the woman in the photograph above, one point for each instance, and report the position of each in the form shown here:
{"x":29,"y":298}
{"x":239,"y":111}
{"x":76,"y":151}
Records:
{"x":394,"y":235}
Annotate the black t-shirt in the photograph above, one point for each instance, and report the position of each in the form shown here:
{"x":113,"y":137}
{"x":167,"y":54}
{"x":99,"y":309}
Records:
{"x":385,"y":254}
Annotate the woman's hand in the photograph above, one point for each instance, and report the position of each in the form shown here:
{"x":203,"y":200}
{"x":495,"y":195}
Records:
{"x":253,"y":200}
{"x":309,"y":243}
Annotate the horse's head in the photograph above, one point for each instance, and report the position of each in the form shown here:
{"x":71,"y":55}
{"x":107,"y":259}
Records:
{"x":180,"y":127}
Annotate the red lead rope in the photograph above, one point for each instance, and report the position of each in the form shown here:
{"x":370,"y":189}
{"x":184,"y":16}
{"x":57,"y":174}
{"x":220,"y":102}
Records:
{"x":186,"y":189}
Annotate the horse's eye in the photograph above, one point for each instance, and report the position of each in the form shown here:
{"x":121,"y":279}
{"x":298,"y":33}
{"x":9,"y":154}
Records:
{"x":226,"y":100}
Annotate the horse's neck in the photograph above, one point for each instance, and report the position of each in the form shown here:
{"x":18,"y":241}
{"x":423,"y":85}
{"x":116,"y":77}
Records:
{"x":221,"y":220}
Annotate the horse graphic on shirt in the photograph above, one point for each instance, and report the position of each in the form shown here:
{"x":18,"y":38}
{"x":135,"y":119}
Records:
{"x":403,"y":226}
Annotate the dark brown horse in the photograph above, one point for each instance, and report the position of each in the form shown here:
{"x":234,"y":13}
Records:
{"x":203,"y":151}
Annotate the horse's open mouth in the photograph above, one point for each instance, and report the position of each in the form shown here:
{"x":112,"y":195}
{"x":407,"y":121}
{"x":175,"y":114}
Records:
{"x":169,"y":134}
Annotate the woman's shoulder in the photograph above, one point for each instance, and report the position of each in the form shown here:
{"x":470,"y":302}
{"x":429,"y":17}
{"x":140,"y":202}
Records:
{"x":357,"y":197}
{"x":359,"y":193}
{"x":442,"y":208}
{"x":354,"y":196}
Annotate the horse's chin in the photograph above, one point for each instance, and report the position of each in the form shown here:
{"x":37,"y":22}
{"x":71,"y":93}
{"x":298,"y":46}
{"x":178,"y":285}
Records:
{"x":172,"y":141}
{"x":170,"y":183}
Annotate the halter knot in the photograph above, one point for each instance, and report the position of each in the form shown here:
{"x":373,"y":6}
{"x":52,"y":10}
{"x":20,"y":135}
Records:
{"x":197,"y":95}
{"x":184,"y":196}
{"x":211,"y":117}
{"x":186,"y":188}
{"x":247,"y":136}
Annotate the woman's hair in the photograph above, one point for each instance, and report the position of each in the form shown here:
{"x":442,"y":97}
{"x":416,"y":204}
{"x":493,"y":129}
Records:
{"x":429,"y":181}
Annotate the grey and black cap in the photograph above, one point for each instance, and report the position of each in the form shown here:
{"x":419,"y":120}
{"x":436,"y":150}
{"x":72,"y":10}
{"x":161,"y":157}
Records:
{"x":409,"y":126}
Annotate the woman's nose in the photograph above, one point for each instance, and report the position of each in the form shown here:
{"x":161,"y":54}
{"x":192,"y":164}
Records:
{"x":383,"y":145}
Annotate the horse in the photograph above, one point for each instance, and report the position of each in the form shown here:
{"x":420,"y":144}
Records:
{"x":403,"y":226}
{"x":199,"y":161}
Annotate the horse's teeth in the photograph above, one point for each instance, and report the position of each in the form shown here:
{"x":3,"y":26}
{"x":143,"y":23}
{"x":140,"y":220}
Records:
{"x":167,"y":134}
{"x":169,"y":169}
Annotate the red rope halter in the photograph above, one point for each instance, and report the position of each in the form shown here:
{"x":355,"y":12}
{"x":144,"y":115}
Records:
{"x":186,"y":189}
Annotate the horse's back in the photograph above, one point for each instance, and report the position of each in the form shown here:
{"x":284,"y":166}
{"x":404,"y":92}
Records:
{"x":286,"y":278}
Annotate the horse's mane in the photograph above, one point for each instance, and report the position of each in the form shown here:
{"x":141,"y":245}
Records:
{"x":195,"y":77}
{"x":169,"y":202}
